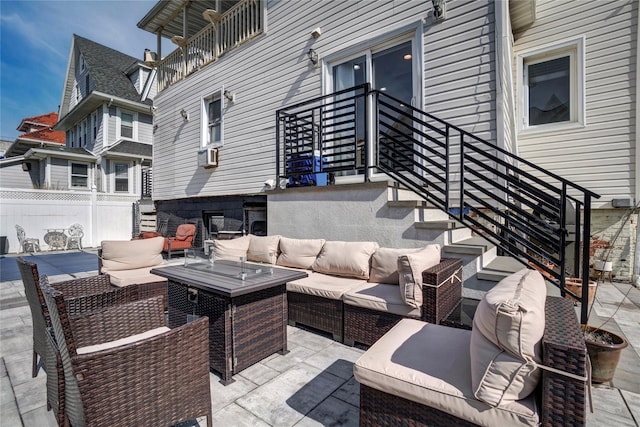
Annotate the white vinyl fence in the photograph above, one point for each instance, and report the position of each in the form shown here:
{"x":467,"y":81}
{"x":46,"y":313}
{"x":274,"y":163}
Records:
{"x":102,"y":216}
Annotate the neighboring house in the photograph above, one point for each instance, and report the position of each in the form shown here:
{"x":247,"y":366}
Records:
{"x":552,"y":82}
{"x":106,"y":108}
{"x":92,"y":161}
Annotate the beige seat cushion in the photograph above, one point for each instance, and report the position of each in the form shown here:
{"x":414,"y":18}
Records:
{"x":429,"y":364}
{"x":384,"y":264}
{"x":323,"y":285}
{"x":231,"y":249}
{"x":506,"y":338}
{"x":380,"y":297}
{"x":122,"y":341}
{"x":137,"y":276}
{"x":351,"y":259}
{"x":131,"y":254}
{"x":263,"y":248}
{"x":299,"y":253}
{"x":410,"y":268}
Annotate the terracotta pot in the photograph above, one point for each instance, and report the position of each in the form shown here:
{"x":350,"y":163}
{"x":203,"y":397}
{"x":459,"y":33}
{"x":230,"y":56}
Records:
{"x":575,"y":285}
{"x":604,"y":357}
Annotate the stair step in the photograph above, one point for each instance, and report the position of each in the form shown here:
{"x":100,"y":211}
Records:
{"x":470,"y":246}
{"x":407,"y":204}
{"x":447,"y":224}
{"x":499,"y":268}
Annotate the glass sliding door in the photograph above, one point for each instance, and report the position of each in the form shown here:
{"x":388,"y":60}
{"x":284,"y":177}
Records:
{"x":390,"y":69}
{"x":393,"y":75}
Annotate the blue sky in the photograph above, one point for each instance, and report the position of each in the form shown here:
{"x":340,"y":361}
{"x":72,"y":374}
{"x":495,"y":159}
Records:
{"x":35,"y":40}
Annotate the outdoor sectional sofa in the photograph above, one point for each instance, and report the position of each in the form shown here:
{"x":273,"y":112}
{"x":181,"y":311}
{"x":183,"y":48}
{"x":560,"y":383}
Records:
{"x":355,"y":291}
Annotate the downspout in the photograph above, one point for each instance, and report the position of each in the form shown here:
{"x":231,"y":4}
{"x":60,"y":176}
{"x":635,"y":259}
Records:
{"x":636,"y":264}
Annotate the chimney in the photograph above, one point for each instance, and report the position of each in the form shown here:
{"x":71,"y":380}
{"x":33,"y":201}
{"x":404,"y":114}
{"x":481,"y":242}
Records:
{"x":149,"y":56}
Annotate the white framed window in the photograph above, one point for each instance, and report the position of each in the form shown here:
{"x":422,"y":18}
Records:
{"x":127,"y":125}
{"x":552,"y":83}
{"x":212,"y":120}
{"x":82,"y":63}
{"x":121,"y":181}
{"x":79,"y":175}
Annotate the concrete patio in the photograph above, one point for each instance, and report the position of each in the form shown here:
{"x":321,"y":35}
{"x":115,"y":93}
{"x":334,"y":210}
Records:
{"x":312,"y":385}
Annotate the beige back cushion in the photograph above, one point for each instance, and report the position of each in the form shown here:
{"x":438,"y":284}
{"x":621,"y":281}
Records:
{"x":299,"y":253}
{"x":384,"y":265}
{"x":506,"y":338}
{"x":410,"y":268}
{"x":131,"y":254}
{"x":263,"y":248}
{"x":231,"y":249}
{"x":350,"y":259}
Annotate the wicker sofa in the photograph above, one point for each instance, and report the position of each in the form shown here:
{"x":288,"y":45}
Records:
{"x":354,"y":290}
{"x":523,"y":363}
{"x":129,"y":262}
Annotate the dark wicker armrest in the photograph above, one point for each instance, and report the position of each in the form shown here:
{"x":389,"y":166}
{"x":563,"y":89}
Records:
{"x":118,"y":321}
{"x":167,"y":367}
{"x":84,"y":286}
{"x":563,"y":398}
{"x":441,"y":289}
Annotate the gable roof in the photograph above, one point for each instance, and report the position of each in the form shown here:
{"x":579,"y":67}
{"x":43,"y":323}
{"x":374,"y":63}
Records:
{"x":43,"y":120}
{"x":45,"y":135}
{"x":108,"y":69}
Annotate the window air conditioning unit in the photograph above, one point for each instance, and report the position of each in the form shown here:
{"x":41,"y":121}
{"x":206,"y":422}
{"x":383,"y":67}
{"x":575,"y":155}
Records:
{"x":208,"y":158}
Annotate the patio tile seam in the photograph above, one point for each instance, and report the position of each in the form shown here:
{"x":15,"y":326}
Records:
{"x":626,"y":404}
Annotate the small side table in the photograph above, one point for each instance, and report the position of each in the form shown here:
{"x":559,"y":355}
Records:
{"x":462,"y":316}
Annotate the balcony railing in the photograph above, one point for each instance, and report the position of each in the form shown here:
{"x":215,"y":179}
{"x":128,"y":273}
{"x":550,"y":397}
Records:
{"x":530,"y":213}
{"x":238,"y":25}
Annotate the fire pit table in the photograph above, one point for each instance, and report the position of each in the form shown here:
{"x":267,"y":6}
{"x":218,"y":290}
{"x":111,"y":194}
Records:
{"x":246,"y":304}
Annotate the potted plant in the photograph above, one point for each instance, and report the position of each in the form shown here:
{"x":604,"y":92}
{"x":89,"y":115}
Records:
{"x":604,"y":348}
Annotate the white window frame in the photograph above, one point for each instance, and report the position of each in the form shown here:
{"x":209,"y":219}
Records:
{"x":575,"y":50}
{"x":204,"y":118}
{"x":113,"y":176}
{"x":134,"y":114}
{"x":71,"y":163}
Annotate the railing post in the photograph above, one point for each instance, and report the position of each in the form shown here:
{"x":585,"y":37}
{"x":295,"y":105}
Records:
{"x":368,"y":141}
{"x":563,"y":235}
{"x":447,"y":166}
{"x":461,"y":214}
{"x":584,"y":307}
{"x":277,"y":149}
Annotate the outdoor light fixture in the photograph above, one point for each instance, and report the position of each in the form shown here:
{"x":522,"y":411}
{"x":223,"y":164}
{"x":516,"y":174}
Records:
{"x":439,"y":10}
{"x":212,"y":16}
{"x":179,"y":40}
{"x":230,"y":96}
{"x":313,"y":56}
{"x":316,"y":33}
{"x":185,"y":114}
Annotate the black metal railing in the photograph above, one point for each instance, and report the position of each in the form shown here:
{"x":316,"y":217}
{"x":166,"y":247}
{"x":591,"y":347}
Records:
{"x":531,"y":214}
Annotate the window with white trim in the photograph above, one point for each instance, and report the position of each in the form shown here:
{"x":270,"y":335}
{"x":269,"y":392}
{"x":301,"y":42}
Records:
{"x":79,"y":175}
{"x":121,"y":177}
{"x":212,"y":120}
{"x":127,"y":125}
{"x":552,"y":82}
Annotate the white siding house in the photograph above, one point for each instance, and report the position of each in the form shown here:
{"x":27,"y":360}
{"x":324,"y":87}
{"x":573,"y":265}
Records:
{"x":468,"y":68}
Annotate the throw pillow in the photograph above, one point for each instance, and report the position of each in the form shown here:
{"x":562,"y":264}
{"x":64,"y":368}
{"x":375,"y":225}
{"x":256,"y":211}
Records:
{"x":410,"y":268}
{"x":506,"y":338}
{"x":350,"y":259}
{"x":231,"y":249}
{"x":263,"y":248}
{"x":299,"y":253}
{"x":384,"y":264}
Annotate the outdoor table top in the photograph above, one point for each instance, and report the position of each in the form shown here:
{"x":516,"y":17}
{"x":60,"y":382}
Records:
{"x":218,"y":277}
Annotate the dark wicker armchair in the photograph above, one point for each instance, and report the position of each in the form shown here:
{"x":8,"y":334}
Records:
{"x":81,"y":295}
{"x":159,"y":378}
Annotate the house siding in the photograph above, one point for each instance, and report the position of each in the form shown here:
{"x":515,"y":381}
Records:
{"x":59,"y":173}
{"x":600,"y":156}
{"x":273,"y":71}
{"x":12,"y":175}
